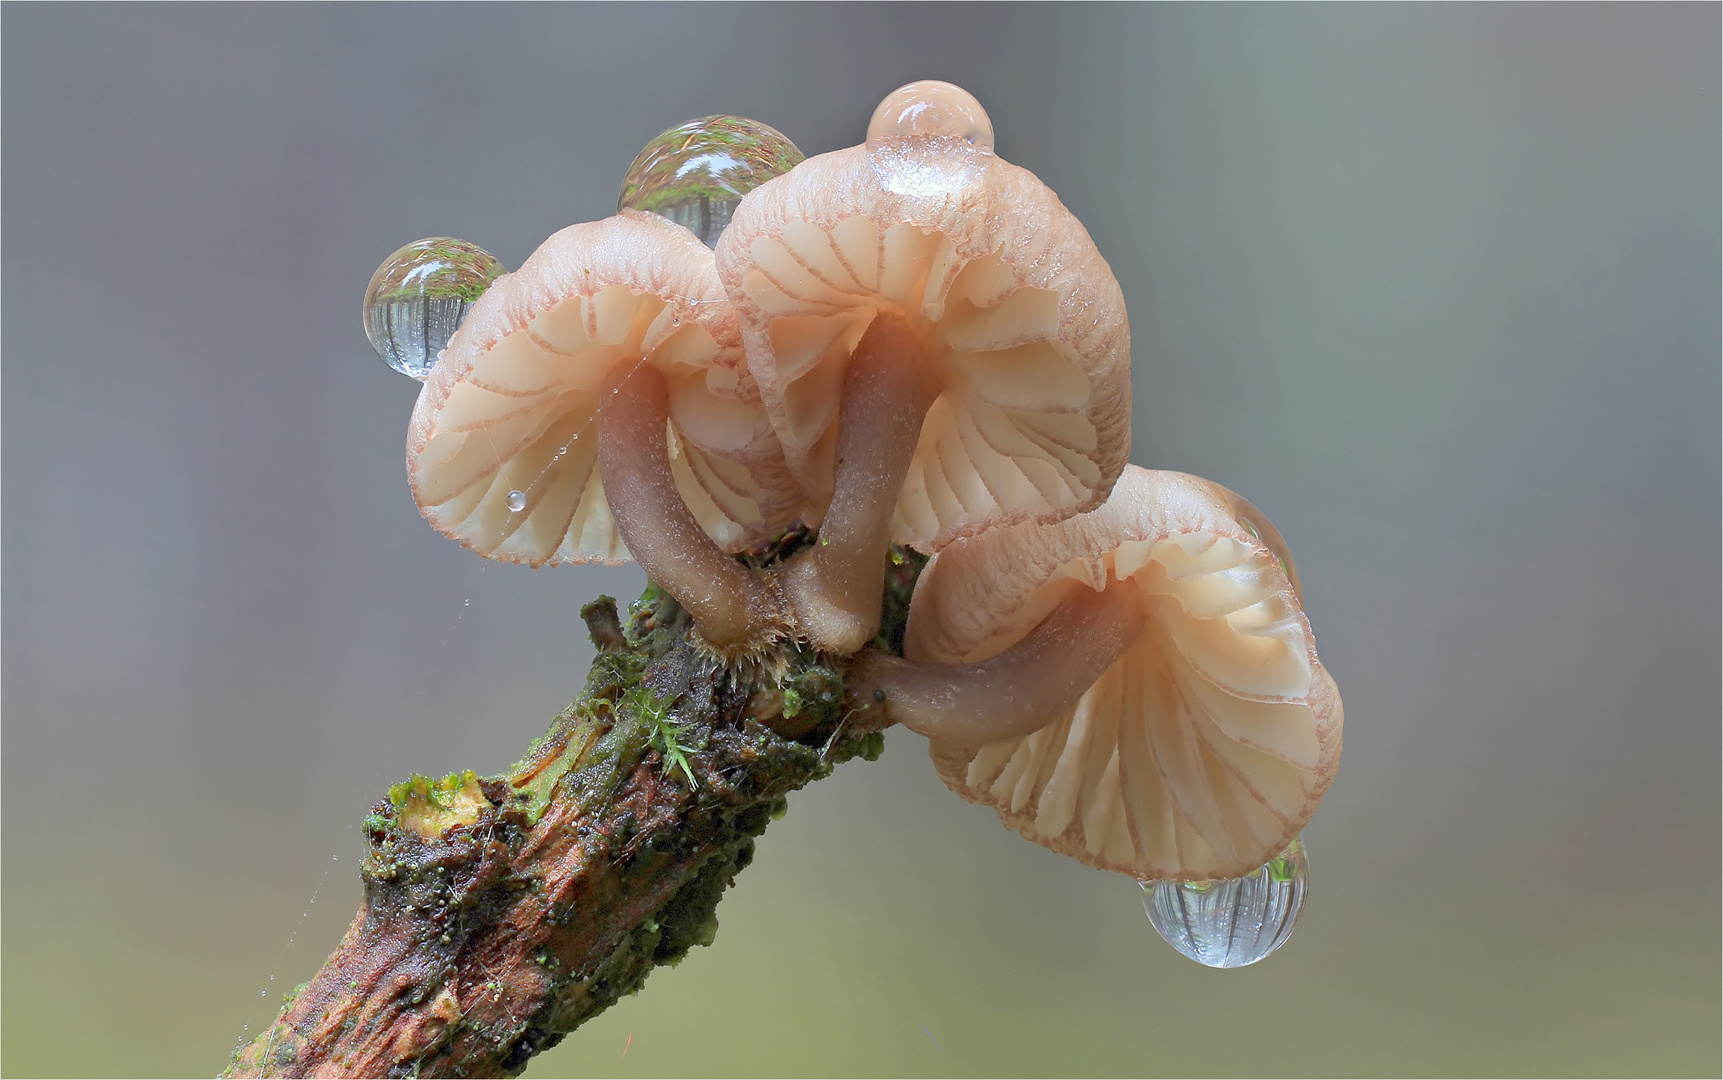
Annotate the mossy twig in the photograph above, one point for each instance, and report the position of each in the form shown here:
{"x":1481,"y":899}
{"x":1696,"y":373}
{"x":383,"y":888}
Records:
{"x":501,"y":913}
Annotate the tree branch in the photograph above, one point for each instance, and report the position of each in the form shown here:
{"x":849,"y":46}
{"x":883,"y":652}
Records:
{"x":500,"y":914}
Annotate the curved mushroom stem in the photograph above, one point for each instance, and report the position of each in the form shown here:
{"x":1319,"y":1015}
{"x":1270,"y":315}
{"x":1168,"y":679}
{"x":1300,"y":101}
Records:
{"x":889,"y":385}
{"x":734,"y":609}
{"x":1016,"y":692}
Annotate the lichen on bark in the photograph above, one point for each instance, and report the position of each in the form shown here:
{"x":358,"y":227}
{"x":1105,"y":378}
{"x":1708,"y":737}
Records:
{"x":501,"y":913}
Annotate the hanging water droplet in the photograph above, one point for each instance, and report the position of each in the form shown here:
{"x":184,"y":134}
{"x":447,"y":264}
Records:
{"x":419,"y":296}
{"x":1231,"y":922}
{"x":931,"y":108}
{"x":1256,"y":523}
{"x":516,"y":500}
{"x":695,"y":173}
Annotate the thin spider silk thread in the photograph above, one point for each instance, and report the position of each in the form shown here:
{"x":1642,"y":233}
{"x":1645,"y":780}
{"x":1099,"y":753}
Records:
{"x":304,"y":916}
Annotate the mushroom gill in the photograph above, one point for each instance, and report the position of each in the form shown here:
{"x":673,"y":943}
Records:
{"x":931,"y":331}
{"x":1200,"y":751}
{"x":595,"y":405}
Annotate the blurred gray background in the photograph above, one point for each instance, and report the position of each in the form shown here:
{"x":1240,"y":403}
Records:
{"x":1436,"y":287}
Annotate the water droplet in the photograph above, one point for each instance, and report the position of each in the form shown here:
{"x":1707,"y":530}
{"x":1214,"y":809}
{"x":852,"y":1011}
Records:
{"x":516,"y":500}
{"x":419,"y":296}
{"x":695,"y":173}
{"x":1231,"y":922}
{"x":1256,"y":523}
{"x":931,"y":108}
{"x":929,"y":140}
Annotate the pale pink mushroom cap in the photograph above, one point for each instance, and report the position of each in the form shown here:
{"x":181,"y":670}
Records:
{"x":510,"y":405}
{"x":1020,"y":313}
{"x":1206,"y":747}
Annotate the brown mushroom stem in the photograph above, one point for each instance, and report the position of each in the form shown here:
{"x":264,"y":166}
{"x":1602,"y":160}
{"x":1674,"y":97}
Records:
{"x":1019,"y":690}
{"x":734,"y":609}
{"x":889,"y":385}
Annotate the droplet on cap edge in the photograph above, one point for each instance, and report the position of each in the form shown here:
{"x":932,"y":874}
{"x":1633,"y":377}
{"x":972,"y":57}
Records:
{"x":1256,"y":523}
{"x":418,"y":297}
{"x":931,"y":108}
{"x":695,"y":173}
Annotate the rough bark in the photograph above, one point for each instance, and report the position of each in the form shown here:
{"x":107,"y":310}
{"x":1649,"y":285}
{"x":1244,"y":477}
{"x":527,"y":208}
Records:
{"x":502,"y":913}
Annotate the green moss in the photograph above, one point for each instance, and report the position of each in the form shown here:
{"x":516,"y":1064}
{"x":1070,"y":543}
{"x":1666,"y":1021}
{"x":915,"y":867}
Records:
{"x":666,"y":733}
{"x":542,"y":788}
{"x":690,"y":917}
{"x":535,"y":777}
{"x":649,"y":690}
{"x":903,"y":567}
{"x":871,"y":746}
{"x":428,"y":807}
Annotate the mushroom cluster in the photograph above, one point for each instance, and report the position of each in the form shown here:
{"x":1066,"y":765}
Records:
{"x":909,"y":342}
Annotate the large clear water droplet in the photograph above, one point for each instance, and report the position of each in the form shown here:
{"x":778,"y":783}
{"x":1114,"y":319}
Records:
{"x":1256,"y":523}
{"x":695,"y":173}
{"x":930,"y":140}
{"x":419,"y":296}
{"x":931,"y":108}
{"x":1231,"y":922}
{"x":516,"y":500}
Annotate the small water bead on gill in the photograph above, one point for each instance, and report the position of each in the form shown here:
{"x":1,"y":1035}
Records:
{"x":1231,"y":922}
{"x":932,"y":108}
{"x":418,"y":297}
{"x":695,"y":173}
